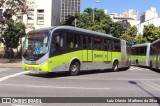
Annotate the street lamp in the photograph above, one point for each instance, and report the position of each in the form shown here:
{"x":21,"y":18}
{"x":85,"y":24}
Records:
{"x":94,"y":6}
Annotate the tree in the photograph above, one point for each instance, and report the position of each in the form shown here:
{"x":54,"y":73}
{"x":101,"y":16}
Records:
{"x":151,"y":33}
{"x":102,"y":23}
{"x":88,"y":11}
{"x":12,"y":30}
{"x":130,"y":34}
{"x":12,"y":8}
{"x":12,"y":34}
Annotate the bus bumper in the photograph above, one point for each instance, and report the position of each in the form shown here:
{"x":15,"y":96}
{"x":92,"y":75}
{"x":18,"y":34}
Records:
{"x":40,"y":68}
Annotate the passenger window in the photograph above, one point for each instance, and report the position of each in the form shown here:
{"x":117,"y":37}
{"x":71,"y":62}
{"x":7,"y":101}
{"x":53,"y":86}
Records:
{"x":116,"y":46}
{"x":97,"y":43}
{"x":85,"y":40}
{"x":107,"y":45}
{"x":73,"y":40}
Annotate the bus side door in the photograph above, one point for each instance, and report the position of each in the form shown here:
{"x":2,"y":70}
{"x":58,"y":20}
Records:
{"x":107,"y":52}
{"x":87,"y":49}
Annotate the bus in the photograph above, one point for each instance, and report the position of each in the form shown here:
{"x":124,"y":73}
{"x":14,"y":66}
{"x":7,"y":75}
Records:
{"x":155,"y":55}
{"x":71,"y":49}
{"x":140,"y":54}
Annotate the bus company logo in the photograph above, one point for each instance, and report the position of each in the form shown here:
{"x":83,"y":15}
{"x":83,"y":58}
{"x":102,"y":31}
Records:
{"x":6,"y":100}
{"x":98,"y":56}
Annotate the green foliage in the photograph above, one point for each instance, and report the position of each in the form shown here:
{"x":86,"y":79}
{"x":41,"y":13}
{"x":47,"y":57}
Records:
{"x":103,"y":23}
{"x":140,"y":39}
{"x":12,"y":33}
{"x":151,"y":33}
{"x":12,"y":30}
{"x":88,"y":11}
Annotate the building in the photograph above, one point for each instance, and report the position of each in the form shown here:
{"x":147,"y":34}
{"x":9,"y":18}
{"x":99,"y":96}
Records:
{"x":149,"y":14}
{"x":69,"y":7}
{"x":42,"y":14}
{"x":148,"y":17}
{"x":129,"y":15}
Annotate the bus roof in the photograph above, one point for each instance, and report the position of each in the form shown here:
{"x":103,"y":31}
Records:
{"x":76,"y":29}
{"x":141,"y":45}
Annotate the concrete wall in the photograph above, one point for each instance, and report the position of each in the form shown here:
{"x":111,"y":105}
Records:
{"x":56,"y":11}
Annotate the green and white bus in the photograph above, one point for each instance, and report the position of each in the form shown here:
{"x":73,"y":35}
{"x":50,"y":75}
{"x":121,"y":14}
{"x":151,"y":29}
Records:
{"x":140,"y":54}
{"x":66,"y":48}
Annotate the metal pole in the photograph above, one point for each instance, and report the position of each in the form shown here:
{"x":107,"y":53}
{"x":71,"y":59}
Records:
{"x":93,"y":11}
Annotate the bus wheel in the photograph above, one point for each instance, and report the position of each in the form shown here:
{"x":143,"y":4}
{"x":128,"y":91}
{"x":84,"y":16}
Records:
{"x":137,"y":64}
{"x":115,"y":66}
{"x":151,"y":66}
{"x":74,"y":68}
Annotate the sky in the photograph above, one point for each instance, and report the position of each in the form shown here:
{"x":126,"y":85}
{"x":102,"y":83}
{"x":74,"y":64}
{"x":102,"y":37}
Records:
{"x":118,"y":6}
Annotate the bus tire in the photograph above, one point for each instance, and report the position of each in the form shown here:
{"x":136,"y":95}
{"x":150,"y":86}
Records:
{"x":115,"y":66}
{"x":74,"y":68}
{"x":151,"y":65}
{"x":137,"y":64}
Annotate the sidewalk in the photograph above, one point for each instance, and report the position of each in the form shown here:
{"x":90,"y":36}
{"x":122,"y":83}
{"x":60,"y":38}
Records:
{"x":15,"y":63}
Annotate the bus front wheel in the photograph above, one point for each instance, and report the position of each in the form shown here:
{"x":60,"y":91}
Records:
{"x":74,"y":68}
{"x":115,"y":66}
{"x":151,"y":66}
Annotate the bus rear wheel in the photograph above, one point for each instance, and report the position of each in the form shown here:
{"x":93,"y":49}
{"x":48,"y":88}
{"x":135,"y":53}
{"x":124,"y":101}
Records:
{"x":74,"y":68}
{"x":137,"y":64}
{"x":115,"y":66}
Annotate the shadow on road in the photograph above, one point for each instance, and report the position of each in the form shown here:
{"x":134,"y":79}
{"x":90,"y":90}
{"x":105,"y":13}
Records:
{"x":136,"y":84}
{"x":65,"y":74}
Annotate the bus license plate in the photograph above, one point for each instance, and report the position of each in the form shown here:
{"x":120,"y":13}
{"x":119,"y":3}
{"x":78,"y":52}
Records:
{"x":31,"y":68}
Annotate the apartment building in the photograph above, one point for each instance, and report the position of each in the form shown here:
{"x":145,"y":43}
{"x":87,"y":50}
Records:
{"x":49,"y":12}
{"x":148,"y":17}
{"x":129,"y":15}
{"x":69,"y":7}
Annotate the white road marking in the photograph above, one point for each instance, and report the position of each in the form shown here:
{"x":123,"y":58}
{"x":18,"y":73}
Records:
{"x":154,"y":84}
{"x":4,"y":69}
{"x":22,"y":105}
{"x":13,"y":75}
{"x":55,"y":87}
{"x":151,"y":84}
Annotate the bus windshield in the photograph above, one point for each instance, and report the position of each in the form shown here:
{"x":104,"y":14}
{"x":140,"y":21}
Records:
{"x":36,"y":45}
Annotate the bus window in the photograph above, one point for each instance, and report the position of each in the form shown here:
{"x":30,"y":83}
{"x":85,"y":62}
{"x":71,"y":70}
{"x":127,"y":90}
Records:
{"x":85,"y":40}
{"x":107,"y":45}
{"x":77,"y":41}
{"x":116,"y":46}
{"x":97,"y":43}
{"x":73,"y":40}
{"x":70,"y":40}
{"x":89,"y":42}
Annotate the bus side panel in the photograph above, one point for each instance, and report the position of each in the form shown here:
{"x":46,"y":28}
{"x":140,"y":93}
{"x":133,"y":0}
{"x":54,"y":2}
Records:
{"x":85,"y":55}
{"x":105,"y":56}
{"x":90,"y":55}
{"x":109,"y":56}
{"x":116,"y":55}
{"x":62,"y":61}
{"x":98,"y":56}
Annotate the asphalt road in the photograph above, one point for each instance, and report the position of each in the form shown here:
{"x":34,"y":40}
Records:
{"x":134,"y":82}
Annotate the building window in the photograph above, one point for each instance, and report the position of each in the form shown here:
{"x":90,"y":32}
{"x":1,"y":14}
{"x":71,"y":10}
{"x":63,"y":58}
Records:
{"x":40,"y":17}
